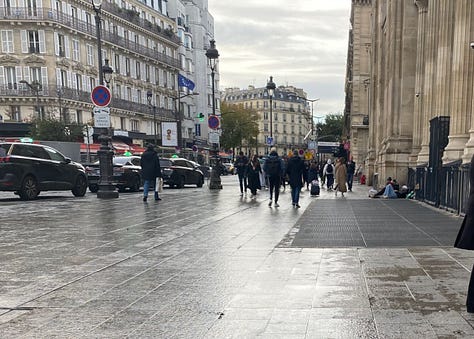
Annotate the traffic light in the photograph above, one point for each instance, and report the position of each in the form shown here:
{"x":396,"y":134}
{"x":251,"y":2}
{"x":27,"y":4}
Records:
{"x":200,"y":116}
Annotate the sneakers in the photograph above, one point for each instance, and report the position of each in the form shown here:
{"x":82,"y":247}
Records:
{"x":270,"y":203}
{"x":276,"y":205}
{"x":157,"y":198}
{"x":145,"y":199}
{"x":297,"y":206}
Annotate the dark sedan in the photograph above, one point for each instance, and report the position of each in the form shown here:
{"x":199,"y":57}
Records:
{"x":179,"y":172}
{"x":27,"y":169}
{"x":126,"y":174}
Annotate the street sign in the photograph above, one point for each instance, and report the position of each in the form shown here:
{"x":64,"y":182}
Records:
{"x":269,"y":141}
{"x":102,"y":117}
{"x":101,"y":96}
{"x":213,"y":138}
{"x":312,"y":145}
{"x":213,"y":122}
{"x":195,"y":148}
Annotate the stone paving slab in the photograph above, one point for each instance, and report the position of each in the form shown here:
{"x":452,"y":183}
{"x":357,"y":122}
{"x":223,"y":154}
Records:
{"x":203,"y":264}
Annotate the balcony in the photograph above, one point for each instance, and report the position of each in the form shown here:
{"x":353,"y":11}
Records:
{"x":52,"y":92}
{"x":46,"y":14}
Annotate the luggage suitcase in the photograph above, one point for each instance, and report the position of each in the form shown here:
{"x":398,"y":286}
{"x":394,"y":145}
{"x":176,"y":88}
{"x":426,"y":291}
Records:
{"x":314,"y":188}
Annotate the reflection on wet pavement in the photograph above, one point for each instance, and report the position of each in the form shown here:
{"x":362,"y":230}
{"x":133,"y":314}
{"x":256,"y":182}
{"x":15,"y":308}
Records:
{"x":204,"y":264}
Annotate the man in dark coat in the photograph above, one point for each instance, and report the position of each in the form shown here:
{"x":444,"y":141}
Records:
{"x":241,"y":164}
{"x":274,"y":169}
{"x":351,"y":167}
{"x":465,"y":238}
{"x":295,"y":170}
{"x":151,"y":170}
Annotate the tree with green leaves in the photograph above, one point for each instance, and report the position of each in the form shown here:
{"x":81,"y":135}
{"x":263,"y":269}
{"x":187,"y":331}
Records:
{"x":238,"y":125}
{"x":51,"y":129}
{"x":331,"y":129}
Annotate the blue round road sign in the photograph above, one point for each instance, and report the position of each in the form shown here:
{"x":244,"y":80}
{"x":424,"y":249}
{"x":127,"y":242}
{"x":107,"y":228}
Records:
{"x":213,"y":122}
{"x":100,"y":96}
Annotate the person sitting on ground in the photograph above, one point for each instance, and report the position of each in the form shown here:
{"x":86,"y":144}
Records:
{"x":382,"y":191}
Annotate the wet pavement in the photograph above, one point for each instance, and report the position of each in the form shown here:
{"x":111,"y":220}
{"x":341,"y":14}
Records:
{"x":212,"y":264}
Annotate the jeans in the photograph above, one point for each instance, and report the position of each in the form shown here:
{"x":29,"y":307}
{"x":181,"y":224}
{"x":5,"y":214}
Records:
{"x":295,"y":195}
{"x":274,"y":183}
{"x":146,"y":186}
{"x":242,"y":182}
{"x":350,"y":179}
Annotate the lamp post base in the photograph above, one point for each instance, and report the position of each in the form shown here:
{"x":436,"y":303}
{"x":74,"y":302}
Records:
{"x":215,"y":182}
{"x":107,"y":189}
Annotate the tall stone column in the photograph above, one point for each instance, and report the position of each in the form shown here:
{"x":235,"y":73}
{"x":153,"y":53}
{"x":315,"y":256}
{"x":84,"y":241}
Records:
{"x":419,"y":81}
{"x":427,"y":95}
{"x":462,"y":76}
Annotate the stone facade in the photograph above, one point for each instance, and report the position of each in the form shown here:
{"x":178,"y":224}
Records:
{"x":420,"y":67}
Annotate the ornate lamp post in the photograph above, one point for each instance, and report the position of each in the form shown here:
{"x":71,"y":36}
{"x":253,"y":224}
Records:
{"x":312,"y":116}
{"x":149,"y":96}
{"x":271,"y":91}
{"x":107,"y":189}
{"x":212,"y":54}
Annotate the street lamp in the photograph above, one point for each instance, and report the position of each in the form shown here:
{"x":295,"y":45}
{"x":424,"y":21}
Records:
{"x":312,"y":117}
{"x":212,"y":54}
{"x":149,"y":96}
{"x":271,"y":91}
{"x":107,"y":189}
{"x":35,"y":86}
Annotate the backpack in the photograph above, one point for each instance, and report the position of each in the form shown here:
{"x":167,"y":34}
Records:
{"x":329,"y":169}
{"x":273,"y":167}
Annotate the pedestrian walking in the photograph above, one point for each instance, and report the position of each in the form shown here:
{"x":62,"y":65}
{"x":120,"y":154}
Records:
{"x":328,"y":173}
{"x":351,"y":167}
{"x":341,"y":176}
{"x":151,"y":170}
{"x":262,"y":175}
{"x":295,"y":171}
{"x":253,"y":176}
{"x":241,"y":165}
{"x":275,"y":169}
{"x":465,"y":238}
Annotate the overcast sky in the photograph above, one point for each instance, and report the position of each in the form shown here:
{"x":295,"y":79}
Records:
{"x":300,"y":42}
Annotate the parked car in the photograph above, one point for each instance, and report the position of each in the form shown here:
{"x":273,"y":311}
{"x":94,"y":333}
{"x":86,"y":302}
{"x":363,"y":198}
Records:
{"x":206,"y":170}
{"x":27,"y":169}
{"x":126,"y":174}
{"x":228,"y":168}
{"x":179,"y":172}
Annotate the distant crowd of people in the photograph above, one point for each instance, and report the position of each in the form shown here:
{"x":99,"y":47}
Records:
{"x":275,"y":171}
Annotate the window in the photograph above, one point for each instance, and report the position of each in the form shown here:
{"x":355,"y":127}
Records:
{"x":88,"y":18}
{"x":139,"y":96}
{"x":15,"y":113}
{"x":75,"y":50}
{"x":90,"y":55}
{"x":123,"y":123}
{"x":265,"y":115}
{"x":35,"y":74}
{"x":137,"y":70}
{"x":275,"y":117}
{"x":147,"y":73}
{"x":10,"y":77}
{"x":79,"y":118}
{"x":265,"y":127}
{"x":129,"y":94}
{"x":78,"y":82}
{"x":31,"y":7}
{"x":7,"y":6}
{"x":134,"y":125}
{"x":74,"y":15}
{"x":61,"y":45}
{"x":7,"y":41}
{"x":63,"y":80}
{"x":127,"y":66}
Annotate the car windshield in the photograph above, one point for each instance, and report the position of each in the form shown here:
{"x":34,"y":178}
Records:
{"x":121,"y":160}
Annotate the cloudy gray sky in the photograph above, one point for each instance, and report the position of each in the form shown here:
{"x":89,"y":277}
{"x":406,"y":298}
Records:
{"x":300,"y":42}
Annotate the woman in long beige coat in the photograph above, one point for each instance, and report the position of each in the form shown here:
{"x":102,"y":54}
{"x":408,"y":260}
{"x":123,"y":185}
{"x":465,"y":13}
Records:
{"x":341,"y":176}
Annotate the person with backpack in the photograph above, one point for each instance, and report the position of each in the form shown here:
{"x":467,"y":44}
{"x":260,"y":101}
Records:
{"x":241,"y":165}
{"x":295,"y":171}
{"x":328,"y":172}
{"x":275,"y":169}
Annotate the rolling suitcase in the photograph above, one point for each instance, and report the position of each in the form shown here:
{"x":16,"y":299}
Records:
{"x":314,"y":188}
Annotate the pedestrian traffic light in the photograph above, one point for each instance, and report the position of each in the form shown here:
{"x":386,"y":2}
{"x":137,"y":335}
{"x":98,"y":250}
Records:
{"x":200,"y":116}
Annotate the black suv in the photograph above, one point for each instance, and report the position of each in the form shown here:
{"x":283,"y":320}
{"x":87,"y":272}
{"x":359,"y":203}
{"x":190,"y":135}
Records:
{"x":179,"y":172}
{"x":28,"y":169}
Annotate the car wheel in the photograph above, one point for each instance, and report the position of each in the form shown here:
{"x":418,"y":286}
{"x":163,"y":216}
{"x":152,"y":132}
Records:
{"x":94,"y":188}
{"x":180,"y":183}
{"x":200,"y":182}
{"x":135,"y":184}
{"x":80,"y":188}
{"x":29,"y":188}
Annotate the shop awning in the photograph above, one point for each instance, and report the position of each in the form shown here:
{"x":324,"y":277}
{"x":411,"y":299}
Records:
{"x":93,"y":148}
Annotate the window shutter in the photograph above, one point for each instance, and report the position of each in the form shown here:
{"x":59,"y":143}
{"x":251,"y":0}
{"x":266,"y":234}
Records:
{"x":19,"y":76}
{"x":152,"y":74}
{"x":41,"y":42}
{"x":58,"y":77}
{"x":74,"y":81}
{"x":26,"y":73}
{"x":84,"y":83}
{"x":67,"y":47}
{"x":2,"y":75}
{"x":44,"y":76}
{"x":69,"y":79}
{"x":56,"y":44}
{"x":24,"y":41}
